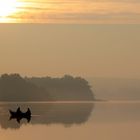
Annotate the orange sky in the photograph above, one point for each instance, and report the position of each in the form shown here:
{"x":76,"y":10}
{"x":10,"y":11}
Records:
{"x":70,"y":11}
{"x":84,"y":50}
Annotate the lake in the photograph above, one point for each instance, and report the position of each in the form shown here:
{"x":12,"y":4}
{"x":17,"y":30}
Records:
{"x":101,"y":120}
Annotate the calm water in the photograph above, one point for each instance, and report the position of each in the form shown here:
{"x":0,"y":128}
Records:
{"x":73,"y":121}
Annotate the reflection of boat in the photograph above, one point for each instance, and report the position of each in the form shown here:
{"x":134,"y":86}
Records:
{"x":67,"y":114}
{"x":20,"y":115}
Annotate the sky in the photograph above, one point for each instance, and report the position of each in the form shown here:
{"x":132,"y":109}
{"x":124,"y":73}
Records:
{"x":91,"y":50}
{"x":70,"y":11}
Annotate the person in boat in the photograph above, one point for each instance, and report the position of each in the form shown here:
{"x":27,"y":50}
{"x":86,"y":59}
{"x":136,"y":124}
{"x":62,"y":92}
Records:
{"x":28,"y":111}
{"x":18,"y":110}
{"x":20,"y":115}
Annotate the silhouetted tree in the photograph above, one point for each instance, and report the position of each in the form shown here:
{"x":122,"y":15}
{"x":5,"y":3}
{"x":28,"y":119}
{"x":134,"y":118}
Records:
{"x":65,"y":88}
{"x":15,"y":88}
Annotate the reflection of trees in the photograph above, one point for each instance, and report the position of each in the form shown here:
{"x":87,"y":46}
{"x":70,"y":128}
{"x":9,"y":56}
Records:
{"x":15,"y":88}
{"x":49,"y":113}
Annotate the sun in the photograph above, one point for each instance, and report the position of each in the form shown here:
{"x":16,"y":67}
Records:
{"x":7,"y":7}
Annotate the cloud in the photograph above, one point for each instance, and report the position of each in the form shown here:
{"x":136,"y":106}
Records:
{"x":79,"y":12}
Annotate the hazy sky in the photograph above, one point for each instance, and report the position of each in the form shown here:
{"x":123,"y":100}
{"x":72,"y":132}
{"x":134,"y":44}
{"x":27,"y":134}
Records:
{"x":84,"y":50}
{"x":70,"y":11}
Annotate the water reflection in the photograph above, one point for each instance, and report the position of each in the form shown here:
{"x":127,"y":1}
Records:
{"x":48,"y":113}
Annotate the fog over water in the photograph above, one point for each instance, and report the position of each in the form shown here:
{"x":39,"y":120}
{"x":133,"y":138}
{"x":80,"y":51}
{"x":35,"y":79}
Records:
{"x":121,"y":89}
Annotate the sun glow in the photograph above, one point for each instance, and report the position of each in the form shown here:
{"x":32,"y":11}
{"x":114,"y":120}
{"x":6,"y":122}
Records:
{"x":8,"y":7}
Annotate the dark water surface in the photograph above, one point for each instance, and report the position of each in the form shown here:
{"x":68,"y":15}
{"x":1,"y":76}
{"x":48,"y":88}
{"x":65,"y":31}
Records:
{"x":76,"y":121}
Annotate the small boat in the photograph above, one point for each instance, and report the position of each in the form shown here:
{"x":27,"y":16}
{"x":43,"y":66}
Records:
{"x":20,"y":115}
